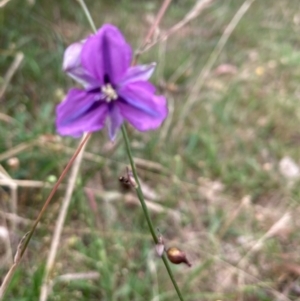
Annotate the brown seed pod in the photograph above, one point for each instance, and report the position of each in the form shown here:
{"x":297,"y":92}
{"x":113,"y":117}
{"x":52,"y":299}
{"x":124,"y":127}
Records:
{"x":177,"y":256}
{"x":128,"y":179}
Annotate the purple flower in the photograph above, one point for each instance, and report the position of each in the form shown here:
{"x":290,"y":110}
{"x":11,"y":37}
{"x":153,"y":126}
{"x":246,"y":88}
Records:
{"x":113,"y":90}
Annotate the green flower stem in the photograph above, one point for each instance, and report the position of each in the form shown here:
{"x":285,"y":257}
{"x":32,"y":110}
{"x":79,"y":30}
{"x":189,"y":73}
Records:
{"x":138,"y":188}
{"x":145,"y":209}
{"x":133,"y":167}
{"x":88,"y":15}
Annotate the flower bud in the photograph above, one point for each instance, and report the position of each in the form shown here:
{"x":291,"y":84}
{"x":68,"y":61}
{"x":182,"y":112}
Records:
{"x":128,"y":179}
{"x":177,"y":256}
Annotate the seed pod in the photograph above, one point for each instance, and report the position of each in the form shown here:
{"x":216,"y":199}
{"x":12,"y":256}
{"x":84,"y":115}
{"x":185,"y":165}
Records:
{"x":128,"y":179}
{"x":177,"y":256}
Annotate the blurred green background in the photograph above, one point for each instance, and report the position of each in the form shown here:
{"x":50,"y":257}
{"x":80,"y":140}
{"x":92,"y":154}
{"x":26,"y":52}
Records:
{"x":224,"y":186}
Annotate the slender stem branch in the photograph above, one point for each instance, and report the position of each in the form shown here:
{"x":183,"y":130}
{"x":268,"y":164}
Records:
{"x":44,"y":292}
{"x":88,"y":15}
{"x":151,"y":31}
{"x":53,"y":192}
{"x":23,"y":246}
{"x":139,"y":191}
{"x":202,"y":77}
{"x":145,"y":209}
{"x":158,"y":18}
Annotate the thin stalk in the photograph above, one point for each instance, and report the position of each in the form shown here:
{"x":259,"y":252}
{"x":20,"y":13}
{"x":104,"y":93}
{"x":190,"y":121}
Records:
{"x":25,"y":241}
{"x":60,"y":224}
{"x":152,"y":29}
{"x":145,"y":209}
{"x":159,"y":16}
{"x":88,"y":15}
{"x":53,"y":191}
{"x":139,"y":191}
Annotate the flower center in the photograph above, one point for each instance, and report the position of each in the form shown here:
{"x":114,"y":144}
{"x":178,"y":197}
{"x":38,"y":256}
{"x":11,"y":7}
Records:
{"x":109,"y":92}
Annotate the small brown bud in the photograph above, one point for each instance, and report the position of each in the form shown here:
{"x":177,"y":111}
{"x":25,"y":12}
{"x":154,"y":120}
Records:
{"x":128,"y":179}
{"x":177,"y":256}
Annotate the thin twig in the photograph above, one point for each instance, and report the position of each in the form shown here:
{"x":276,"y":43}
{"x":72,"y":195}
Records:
{"x":158,"y":19}
{"x":60,"y":223}
{"x":59,"y":147}
{"x":27,"y":183}
{"x":11,"y":71}
{"x":196,"y":88}
{"x":192,"y":14}
{"x":12,"y":269}
{"x":142,"y":163}
{"x":156,"y":208}
{"x":81,"y":145}
{"x":13,"y":192}
{"x":15,"y":150}
{"x":15,"y":218}
{"x":276,"y":227}
{"x":3,"y":3}
{"x":88,"y":15}
{"x":6,"y":118}
{"x":73,"y":277}
{"x":152,"y":30}
{"x":13,"y":207}
{"x":244,"y":203}
{"x":237,"y":269}
{"x":183,"y":68}
{"x":78,"y":276}
{"x":22,"y":247}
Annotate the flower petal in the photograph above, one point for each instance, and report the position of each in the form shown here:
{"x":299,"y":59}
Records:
{"x":114,"y":121}
{"x":137,"y":73}
{"x":140,"y":107}
{"x":72,"y":66}
{"x":80,"y":113}
{"x":106,"y":53}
